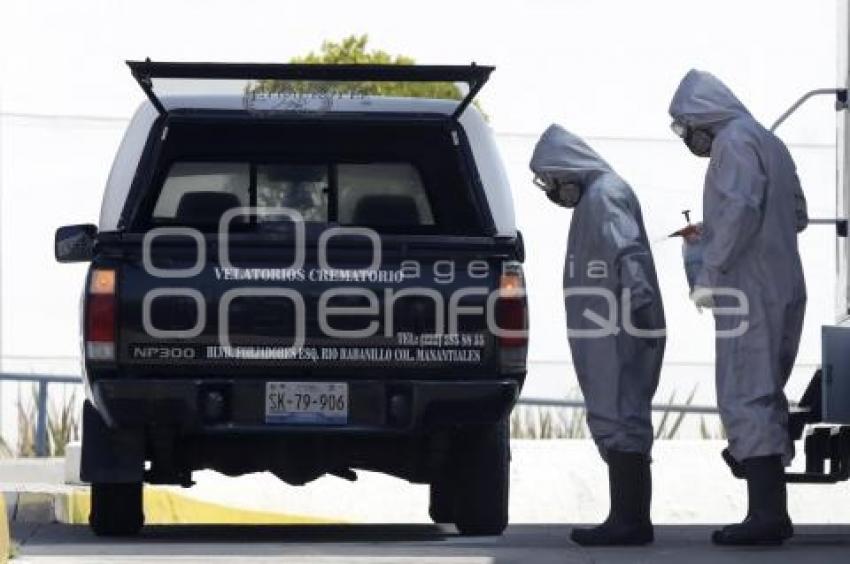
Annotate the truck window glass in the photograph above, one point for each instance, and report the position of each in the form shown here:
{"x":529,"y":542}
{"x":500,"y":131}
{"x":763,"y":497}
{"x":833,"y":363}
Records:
{"x":382,"y":194}
{"x":199,"y":192}
{"x":379,"y":195}
{"x":303,"y":188}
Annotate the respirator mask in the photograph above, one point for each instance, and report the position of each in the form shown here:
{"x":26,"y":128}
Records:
{"x":698,"y":141}
{"x":560,"y":192}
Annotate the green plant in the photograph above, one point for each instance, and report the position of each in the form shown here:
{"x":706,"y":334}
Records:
{"x":354,"y":50}
{"x":706,"y":433}
{"x":662,"y":431}
{"x":27,"y":416}
{"x":540,"y":422}
{"x":63,"y":423}
{"x":5,"y":450}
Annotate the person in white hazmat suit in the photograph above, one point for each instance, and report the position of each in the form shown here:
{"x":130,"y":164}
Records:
{"x":753,"y":208}
{"x":615,"y":322}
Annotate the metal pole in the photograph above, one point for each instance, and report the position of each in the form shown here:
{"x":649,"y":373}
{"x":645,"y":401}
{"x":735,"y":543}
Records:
{"x":578,"y":404}
{"x":41,"y":424}
{"x":840,"y":103}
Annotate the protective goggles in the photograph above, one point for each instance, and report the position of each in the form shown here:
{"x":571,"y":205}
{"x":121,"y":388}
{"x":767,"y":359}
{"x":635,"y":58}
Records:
{"x":679,"y":128}
{"x":542,"y":183}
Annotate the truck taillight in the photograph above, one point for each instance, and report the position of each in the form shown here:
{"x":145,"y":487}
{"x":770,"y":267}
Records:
{"x":100,"y":315}
{"x":511,"y":308}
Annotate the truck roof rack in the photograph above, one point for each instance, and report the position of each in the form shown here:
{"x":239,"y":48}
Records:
{"x":147,"y":73}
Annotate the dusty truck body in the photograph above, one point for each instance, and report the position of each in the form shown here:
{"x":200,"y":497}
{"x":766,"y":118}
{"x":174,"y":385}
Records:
{"x":293,"y":273}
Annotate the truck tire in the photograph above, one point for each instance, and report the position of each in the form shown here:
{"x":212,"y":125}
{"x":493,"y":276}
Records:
{"x":483,"y":480}
{"x":116,"y":509}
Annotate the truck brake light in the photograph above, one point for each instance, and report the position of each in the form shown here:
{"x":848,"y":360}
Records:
{"x":511,"y":307}
{"x":100,"y":315}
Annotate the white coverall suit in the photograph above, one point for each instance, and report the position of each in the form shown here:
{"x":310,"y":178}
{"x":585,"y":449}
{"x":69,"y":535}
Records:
{"x":753,"y":208}
{"x":608,"y":256}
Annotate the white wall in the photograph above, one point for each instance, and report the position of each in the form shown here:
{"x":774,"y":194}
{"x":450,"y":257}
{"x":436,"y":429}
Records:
{"x":605,"y":69}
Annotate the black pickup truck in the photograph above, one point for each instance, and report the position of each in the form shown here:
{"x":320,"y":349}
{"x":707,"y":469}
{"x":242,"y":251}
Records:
{"x":294,"y":272}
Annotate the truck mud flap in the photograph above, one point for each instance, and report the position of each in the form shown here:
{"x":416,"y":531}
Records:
{"x":110,"y":455}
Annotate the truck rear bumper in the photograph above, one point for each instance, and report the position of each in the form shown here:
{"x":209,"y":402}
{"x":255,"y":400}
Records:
{"x":238,"y":405}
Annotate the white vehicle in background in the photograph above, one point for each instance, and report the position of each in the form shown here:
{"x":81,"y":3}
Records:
{"x":822,"y":416}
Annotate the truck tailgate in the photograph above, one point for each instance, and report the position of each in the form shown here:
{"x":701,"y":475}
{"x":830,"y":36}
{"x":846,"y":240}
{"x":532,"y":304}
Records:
{"x":247,"y":317}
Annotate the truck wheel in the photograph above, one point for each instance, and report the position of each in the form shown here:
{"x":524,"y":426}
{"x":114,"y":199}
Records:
{"x":483,"y":480}
{"x":116,"y":509}
{"x":442,"y":505}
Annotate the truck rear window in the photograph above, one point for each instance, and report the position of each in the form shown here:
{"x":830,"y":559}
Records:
{"x":367,"y":194}
{"x":404,"y":175}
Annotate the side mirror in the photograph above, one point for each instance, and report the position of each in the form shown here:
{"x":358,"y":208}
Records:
{"x":75,"y":243}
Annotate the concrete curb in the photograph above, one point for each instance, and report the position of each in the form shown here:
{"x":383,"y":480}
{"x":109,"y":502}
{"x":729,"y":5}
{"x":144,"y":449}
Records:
{"x":163,"y":506}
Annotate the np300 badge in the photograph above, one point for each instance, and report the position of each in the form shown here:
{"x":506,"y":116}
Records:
{"x":163,"y":353}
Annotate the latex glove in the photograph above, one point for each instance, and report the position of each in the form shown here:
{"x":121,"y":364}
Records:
{"x":702,"y":297}
{"x":692,"y":233}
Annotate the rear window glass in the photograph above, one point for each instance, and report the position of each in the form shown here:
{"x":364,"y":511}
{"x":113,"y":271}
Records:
{"x":303,"y":188}
{"x":398,"y":175}
{"x":188,"y":183}
{"x":379,"y":194}
{"x":382,"y":193}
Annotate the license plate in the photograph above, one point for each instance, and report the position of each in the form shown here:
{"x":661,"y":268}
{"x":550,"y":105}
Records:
{"x":307,"y":403}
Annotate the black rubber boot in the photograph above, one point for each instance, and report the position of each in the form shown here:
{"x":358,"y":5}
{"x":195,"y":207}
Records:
{"x":735,"y":467}
{"x":628,"y":523}
{"x":767,"y":521}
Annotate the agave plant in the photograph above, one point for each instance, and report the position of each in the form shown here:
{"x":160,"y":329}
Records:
{"x":63,"y":423}
{"x":27,"y":416}
{"x":707,"y":433}
{"x":540,"y":422}
{"x":662,"y":431}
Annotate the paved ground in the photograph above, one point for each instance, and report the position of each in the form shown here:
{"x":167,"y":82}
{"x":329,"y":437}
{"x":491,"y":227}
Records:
{"x":392,"y":544}
{"x":560,"y":481}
